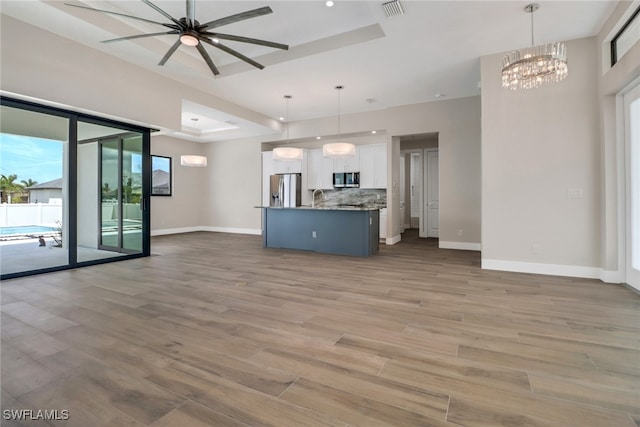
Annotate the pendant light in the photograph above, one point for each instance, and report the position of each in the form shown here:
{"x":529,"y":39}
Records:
{"x":287,"y":153}
{"x":534,"y":66}
{"x":338,"y":150}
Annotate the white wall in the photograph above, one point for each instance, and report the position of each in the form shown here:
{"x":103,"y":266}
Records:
{"x":536,"y":146}
{"x":182,"y":211}
{"x":234,"y":179}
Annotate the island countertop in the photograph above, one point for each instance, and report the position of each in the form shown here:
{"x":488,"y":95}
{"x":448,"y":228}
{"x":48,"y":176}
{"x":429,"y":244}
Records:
{"x":327,"y":208}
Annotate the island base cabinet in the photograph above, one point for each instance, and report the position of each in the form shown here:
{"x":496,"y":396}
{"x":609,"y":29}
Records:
{"x":344,"y":232}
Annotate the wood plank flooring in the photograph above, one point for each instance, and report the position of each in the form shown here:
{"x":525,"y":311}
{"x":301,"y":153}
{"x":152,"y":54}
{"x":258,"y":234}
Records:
{"x":214,"y":330}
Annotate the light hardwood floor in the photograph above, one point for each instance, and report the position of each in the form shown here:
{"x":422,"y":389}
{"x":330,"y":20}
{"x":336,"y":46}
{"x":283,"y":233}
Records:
{"x":214,"y":330}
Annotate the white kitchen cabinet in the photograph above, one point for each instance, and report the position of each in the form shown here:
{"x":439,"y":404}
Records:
{"x":289,"y":166}
{"x":347,"y":164}
{"x":373,"y":166}
{"x":383,"y":223}
{"x":267,"y":171}
{"x":319,"y":170}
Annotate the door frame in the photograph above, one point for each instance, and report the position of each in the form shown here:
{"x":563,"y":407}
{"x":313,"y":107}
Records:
{"x":426,"y":216}
{"x":631,"y":275}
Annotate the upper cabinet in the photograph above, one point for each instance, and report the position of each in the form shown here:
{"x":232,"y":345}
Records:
{"x":289,"y":166}
{"x":373,"y":166}
{"x":347,"y":164}
{"x":319,"y":171}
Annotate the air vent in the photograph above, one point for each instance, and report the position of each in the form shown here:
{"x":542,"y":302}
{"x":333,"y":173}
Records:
{"x":392,"y":8}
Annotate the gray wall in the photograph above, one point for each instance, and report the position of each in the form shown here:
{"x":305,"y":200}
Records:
{"x":537,"y":145}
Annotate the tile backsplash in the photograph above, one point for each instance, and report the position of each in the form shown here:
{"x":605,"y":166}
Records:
{"x":352,"y":196}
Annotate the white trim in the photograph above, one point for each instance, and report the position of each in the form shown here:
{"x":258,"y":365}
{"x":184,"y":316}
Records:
{"x":609,"y":276}
{"x":393,"y":240}
{"x":166,"y":231}
{"x":539,"y":268}
{"x":254,"y":231}
{"x":465,"y":246}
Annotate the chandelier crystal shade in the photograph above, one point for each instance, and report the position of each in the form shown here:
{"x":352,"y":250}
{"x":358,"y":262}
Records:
{"x":287,"y":153}
{"x":338,"y":150}
{"x":534,"y":66}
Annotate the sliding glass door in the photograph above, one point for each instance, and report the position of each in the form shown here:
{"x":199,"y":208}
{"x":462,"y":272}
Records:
{"x":75,"y":189}
{"x":121,"y":198}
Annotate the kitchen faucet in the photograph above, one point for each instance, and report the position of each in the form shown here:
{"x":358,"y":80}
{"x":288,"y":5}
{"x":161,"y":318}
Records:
{"x":313,"y":197}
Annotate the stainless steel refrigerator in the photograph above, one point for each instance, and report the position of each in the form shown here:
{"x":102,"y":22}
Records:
{"x":285,"y":190}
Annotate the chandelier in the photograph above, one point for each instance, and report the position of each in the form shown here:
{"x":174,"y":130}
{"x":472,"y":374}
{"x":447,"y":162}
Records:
{"x":534,"y":66}
{"x":337,"y":150}
{"x":287,"y":153}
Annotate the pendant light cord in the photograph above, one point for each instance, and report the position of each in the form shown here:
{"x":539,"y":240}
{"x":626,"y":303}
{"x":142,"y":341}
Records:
{"x":288,"y":97}
{"x":339,"y":88}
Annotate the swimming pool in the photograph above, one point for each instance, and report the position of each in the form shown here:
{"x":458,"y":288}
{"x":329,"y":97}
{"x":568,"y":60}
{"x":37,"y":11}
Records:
{"x":25,"y":229}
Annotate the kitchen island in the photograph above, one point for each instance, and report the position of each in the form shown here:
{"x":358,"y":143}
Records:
{"x":335,"y":230}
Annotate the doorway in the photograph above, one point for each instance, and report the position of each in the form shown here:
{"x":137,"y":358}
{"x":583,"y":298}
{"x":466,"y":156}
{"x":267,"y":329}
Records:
{"x":419,"y":184}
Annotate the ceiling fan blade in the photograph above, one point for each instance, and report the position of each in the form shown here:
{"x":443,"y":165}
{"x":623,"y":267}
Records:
{"x":115,"y":13}
{"x":191,"y":13}
{"x":237,"y":17}
{"x":166,"y":15}
{"x":207,"y":59}
{"x":233,"y":52}
{"x":139,"y":36}
{"x":247,"y":40}
{"x":167,"y":55}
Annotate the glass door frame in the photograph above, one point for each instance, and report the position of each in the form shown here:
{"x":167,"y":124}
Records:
{"x":72,"y":182}
{"x":120,"y":195}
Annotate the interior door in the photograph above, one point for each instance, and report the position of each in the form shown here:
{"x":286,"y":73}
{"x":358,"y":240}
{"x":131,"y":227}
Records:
{"x":632,"y":157}
{"x":432,"y":196}
{"x":121,"y":201}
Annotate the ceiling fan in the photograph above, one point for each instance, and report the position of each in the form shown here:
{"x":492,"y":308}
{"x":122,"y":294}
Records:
{"x":192,"y":33}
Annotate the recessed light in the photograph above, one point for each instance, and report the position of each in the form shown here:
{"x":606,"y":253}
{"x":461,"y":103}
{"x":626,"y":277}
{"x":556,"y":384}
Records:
{"x":329,"y":3}
{"x":373,"y":131}
{"x":318,"y":137}
{"x":282,"y":119}
{"x":371,"y":100}
{"x":439,"y":95}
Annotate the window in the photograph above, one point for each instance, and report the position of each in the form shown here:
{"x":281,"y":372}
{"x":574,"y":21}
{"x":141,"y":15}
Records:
{"x":628,"y":35}
{"x":160,"y":176}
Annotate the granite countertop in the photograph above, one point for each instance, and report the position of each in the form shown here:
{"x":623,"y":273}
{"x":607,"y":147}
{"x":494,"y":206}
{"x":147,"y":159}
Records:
{"x":329,"y":208}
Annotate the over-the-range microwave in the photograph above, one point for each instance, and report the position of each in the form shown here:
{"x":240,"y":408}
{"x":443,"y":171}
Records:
{"x":346,"y":179}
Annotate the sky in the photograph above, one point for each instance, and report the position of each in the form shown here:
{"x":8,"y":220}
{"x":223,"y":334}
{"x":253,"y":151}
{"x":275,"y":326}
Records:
{"x":30,"y":158}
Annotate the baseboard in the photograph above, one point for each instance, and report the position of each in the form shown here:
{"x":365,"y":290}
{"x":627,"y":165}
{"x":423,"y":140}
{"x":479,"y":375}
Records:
{"x":254,"y":231}
{"x":538,"y":268}
{"x":609,"y":276}
{"x":165,"y":231}
{"x":162,"y":232}
{"x":464,"y":246}
{"x":393,"y":240}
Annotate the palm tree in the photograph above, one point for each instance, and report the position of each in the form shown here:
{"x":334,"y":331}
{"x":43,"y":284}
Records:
{"x":7,"y":186}
{"x":26,"y":183}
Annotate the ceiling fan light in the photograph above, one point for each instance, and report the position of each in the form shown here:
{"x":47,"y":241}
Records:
{"x":189,"y":39}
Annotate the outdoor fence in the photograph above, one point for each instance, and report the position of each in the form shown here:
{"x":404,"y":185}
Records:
{"x":17,"y":214}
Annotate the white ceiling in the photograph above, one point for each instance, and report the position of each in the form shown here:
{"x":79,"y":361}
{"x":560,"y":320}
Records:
{"x":434,"y":48}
